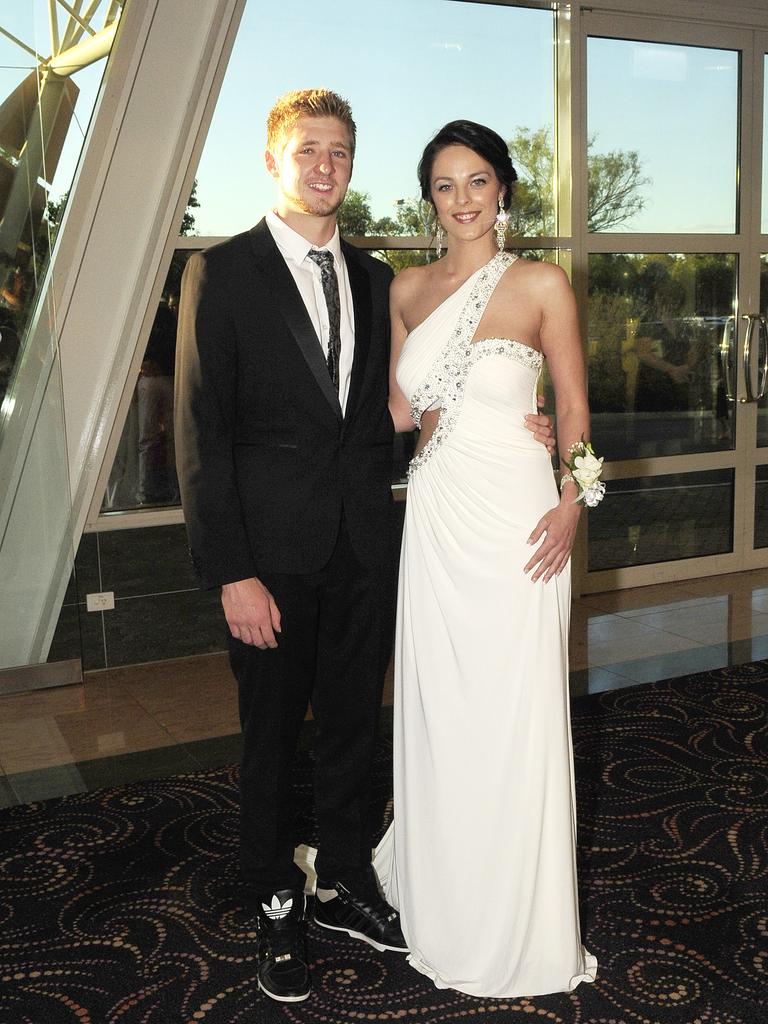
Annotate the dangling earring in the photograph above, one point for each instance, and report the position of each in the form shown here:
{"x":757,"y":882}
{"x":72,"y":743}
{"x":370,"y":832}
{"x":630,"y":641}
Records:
{"x":439,"y":236}
{"x":500,"y":227}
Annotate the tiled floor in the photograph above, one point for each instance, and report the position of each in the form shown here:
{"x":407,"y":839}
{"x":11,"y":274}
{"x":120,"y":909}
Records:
{"x":162,"y":718}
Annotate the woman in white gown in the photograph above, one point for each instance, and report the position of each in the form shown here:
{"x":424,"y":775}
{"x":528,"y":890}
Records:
{"x":480,"y":860}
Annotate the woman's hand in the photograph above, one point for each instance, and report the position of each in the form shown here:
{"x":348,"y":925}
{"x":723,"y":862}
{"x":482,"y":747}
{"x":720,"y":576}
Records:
{"x":541,"y":426}
{"x":559,"y":525}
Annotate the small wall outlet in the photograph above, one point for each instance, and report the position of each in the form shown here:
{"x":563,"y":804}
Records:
{"x":103,"y":602}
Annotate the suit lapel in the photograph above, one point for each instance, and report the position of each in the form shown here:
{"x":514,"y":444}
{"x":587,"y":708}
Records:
{"x":360,"y":286}
{"x":289,"y":302}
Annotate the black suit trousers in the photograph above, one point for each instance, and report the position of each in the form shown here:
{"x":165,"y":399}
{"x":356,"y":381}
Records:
{"x":332,"y":652}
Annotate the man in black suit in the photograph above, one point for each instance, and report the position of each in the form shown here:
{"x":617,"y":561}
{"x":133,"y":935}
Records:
{"x":284,"y":457}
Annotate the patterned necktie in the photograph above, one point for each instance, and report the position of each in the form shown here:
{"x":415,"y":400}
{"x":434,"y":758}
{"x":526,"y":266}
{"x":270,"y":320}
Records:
{"x":324,"y":260}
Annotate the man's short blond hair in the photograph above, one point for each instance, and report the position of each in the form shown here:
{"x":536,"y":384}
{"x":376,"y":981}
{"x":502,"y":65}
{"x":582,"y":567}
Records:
{"x":289,"y":108}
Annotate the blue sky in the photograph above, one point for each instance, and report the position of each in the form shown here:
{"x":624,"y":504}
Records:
{"x":407,"y":67}
{"x":677,"y":107}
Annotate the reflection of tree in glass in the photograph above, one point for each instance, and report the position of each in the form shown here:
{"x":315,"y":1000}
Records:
{"x":54,"y":211}
{"x":615,"y":181}
{"x":188,"y":220}
{"x":412,"y":217}
{"x":615,"y":184}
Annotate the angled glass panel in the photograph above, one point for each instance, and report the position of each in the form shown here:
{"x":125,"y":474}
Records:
{"x":48,"y":88}
{"x":406,"y":67}
{"x":662,"y":142}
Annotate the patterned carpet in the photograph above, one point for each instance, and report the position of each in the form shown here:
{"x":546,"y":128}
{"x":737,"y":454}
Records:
{"x":121,"y":907}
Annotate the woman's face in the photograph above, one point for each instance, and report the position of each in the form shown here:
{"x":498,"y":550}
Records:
{"x":465,"y":191}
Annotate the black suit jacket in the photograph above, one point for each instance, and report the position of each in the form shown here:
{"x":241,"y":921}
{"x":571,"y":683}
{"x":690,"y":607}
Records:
{"x":266,"y":461}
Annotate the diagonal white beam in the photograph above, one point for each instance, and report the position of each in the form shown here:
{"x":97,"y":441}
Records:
{"x":80,"y":56}
{"x":53,"y":22}
{"x":72,"y":33}
{"x":115,"y":6}
{"x":90,"y":10}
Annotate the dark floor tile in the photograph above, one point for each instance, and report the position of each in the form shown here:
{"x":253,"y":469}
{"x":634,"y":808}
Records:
{"x":92,"y":639}
{"x":753,"y":649}
{"x":70,"y":595}
{"x":78,"y":633}
{"x":595,"y":680}
{"x":7,"y":796}
{"x":164,"y":626}
{"x":154,"y":560}
{"x":672,"y":665}
{"x":87,"y":566}
{"x":101,"y":773}
{"x":31,"y":787}
{"x":146,"y":764}
{"x":67,"y":643}
{"x":215,"y":752}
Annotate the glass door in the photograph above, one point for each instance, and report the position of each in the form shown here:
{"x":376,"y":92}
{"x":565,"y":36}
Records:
{"x":673,"y":264}
{"x":756,"y":391}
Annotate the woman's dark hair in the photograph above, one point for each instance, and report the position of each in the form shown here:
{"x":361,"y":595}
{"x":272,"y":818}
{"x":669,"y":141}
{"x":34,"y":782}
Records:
{"x":484,"y":141}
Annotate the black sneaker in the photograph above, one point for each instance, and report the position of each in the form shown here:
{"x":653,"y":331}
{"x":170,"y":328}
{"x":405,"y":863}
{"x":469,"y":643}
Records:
{"x":365,"y":915}
{"x":283,"y":973}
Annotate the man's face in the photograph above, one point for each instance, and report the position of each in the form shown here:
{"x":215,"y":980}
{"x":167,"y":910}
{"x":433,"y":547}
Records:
{"x":313,"y":168}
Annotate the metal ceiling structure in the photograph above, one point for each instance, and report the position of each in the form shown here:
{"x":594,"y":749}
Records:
{"x":35,"y":117}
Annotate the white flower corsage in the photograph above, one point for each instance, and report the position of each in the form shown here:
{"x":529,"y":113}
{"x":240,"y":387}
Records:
{"x":584,"y":470}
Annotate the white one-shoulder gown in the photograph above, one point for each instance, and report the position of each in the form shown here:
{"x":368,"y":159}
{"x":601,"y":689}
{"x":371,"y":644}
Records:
{"x":480,"y":859}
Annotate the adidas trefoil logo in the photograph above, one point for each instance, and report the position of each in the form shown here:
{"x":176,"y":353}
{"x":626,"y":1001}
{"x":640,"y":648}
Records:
{"x":277,"y":909}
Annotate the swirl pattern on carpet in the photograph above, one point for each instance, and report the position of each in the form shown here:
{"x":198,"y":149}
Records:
{"x":123,"y":906}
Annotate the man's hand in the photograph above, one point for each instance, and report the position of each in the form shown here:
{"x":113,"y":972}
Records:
{"x":551,"y":556}
{"x":251,"y":613}
{"x":541,"y":426}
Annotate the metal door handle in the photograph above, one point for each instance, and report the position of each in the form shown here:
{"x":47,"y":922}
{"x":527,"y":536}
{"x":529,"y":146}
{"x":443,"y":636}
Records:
{"x":762,"y":365}
{"x":725,"y":356}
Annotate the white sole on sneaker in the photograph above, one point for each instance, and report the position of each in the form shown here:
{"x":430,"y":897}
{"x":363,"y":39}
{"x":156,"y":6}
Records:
{"x":282,"y":999}
{"x":359,"y":935}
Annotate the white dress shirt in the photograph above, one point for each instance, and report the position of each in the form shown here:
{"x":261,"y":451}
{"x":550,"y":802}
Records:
{"x":306,"y":273}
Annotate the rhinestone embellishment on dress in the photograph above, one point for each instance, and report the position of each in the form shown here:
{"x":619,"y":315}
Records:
{"x":444,"y":384}
{"x":509,"y":348}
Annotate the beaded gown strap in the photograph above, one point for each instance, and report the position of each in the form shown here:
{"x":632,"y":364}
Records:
{"x":444,"y":382}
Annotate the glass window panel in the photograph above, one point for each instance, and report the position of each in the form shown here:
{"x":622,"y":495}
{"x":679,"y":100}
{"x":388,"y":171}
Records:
{"x":662,"y":519}
{"x":42,"y":128}
{"x":144,"y":468}
{"x":662,"y":146}
{"x":657,"y":380}
{"x":656,"y":326}
{"x":765,"y":147}
{"x":761,"y":507}
{"x":389,"y":48}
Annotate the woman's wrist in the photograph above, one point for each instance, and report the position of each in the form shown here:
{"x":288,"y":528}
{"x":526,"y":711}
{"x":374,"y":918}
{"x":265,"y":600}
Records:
{"x":582,"y":472}
{"x":569,"y":492}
